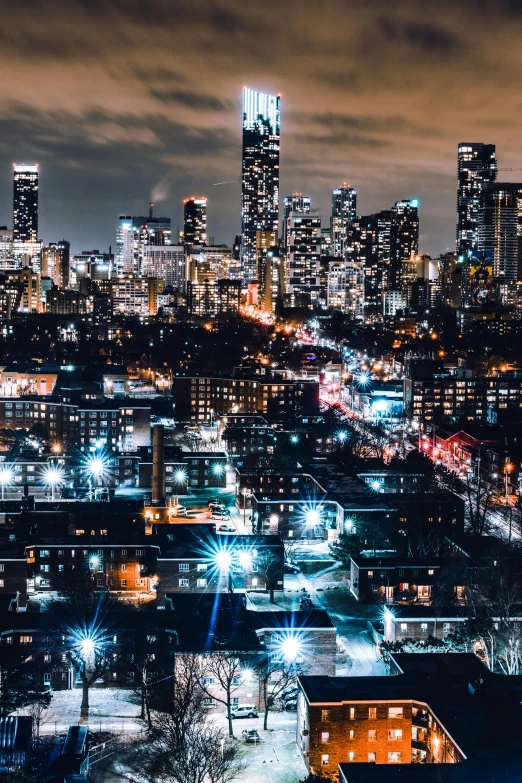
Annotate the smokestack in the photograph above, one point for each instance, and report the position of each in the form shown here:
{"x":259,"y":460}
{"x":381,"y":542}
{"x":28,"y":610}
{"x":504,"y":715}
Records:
{"x":151,"y":208}
{"x":158,"y":466}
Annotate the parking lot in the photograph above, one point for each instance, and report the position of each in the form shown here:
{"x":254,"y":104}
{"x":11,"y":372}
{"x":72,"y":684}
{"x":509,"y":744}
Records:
{"x":276,"y":757}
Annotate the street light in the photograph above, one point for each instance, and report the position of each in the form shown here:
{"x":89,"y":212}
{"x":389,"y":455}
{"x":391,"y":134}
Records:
{"x":507,"y":470}
{"x":312,"y":518}
{"x":245,"y":561}
{"x":6,"y":478}
{"x":53,"y":477}
{"x":294,"y":439}
{"x":180,"y":476}
{"x":290,"y":648}
{"x":223,"y":560}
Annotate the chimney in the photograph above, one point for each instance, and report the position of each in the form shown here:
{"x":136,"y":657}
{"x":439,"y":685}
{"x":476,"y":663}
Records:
{"x":158,"y":466}
{"x":151,"y":208}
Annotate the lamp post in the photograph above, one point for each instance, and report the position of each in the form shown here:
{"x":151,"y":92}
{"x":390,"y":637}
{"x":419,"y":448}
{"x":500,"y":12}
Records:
{"x":6,"y":477}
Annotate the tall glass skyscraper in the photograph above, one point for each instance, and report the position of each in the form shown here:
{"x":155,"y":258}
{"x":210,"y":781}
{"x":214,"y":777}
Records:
{"x":344,"y":208}
{"x":195,"y":221}
{"x":260,"y":174}
{"x":500,"y":232}
{"x":25,"y":203}
{"x":477,"y":167}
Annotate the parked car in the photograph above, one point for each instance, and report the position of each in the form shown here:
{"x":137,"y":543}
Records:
{"x":289,"y":692}
{"x":226,"y":529}
{"x":178,"y":511}
{"x":291,"y":705}
{"x":213,"y":503}
{"x":290,"y":568}
{"x":250,"y":735}
{"x":224,"y":515}
{"x":244,"y":711}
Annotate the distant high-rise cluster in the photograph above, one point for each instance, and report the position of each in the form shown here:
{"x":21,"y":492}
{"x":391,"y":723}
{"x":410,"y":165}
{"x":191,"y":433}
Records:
{"x":367,"y":266}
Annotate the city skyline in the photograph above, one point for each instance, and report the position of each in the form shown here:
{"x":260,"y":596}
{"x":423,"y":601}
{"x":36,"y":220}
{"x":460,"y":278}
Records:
{"x":108,"y":134}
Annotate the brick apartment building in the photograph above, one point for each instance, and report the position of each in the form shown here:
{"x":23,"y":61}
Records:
{"x":431,"y":392}
{"x":438,"y":709}
{"x":122,"y":425}
{"x":198,"y":398}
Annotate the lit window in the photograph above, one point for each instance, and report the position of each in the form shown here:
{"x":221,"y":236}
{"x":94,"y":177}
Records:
{"x":395,"y":712}
{"x":325,"y":760}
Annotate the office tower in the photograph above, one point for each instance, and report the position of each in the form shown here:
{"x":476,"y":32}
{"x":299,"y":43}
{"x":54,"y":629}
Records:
{"x":260,"y":173}
{"x":500,"y":234}
{"x":7,"y":259}
{"x":25,"y":203}
{"x":93,"y":265}
{"x":303,"y":259}
{"x":56,"y":261}
{"x":368,"y":244}
{"x":477,"y":167}
{"x":167,"y":264}
{"x":344,"y":207}
{"x":195,"y":221}
{"x":133,"y":233}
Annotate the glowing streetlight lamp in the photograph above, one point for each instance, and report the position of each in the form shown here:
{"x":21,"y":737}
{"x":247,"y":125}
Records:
{"x":6,"y":478}
{"x":376,"y":485}
{"x":290,"y":648}
{"x":87,"y":647}
{"x":53,"y":477}
{"x":245,"y":560}
{"x":180,"y":476}
{"x":218,"y":469}
{"x":294,"y":439}
{"x":223,"y":560}
{"x":312,"y":518}
{"x":341,"y":436}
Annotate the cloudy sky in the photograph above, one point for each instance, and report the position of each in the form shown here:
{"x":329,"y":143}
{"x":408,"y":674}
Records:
{"x":121,"y":100}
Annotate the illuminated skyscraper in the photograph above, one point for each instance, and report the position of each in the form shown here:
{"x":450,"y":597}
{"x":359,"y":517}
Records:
{"x":477,"y":167}
{"x":260,"y":173}
{"x":56,"y":261}
{"x":304,"y":260}
{"x":500,"y":234}
{"x":404,"y":244}
{"x":195,"y":221}
{"x":344,"y":207}
{"x":25,"y":203}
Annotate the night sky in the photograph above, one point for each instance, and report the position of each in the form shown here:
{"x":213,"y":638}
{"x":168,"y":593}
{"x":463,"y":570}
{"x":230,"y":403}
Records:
{"x":123,"y":100}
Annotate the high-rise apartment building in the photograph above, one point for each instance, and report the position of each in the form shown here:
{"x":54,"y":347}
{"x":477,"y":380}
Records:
{"x":304,"y":260}
{"x":6,"y":248}
{"x":135,"y":233}
{"x":270,"y":274}
{"x":293,"y":205}
{"x":477,"y":167}
{"x":167,"y":264}
{"x":346,"y":288}
{"x":404,"y":244}
{"x":56,"y":262}
{"x":369,"y":245}
{"x":195,"y":221}
{"x":25,"y":203}
{"x":344,"y":208}
{"x":500,"y":233}
{"x":260,"y":173}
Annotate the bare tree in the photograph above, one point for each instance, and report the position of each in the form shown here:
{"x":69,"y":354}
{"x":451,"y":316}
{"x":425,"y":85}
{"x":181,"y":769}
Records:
{"x":479,"y":501}
{"x":227,"y":670}
{"x":274,"y":676}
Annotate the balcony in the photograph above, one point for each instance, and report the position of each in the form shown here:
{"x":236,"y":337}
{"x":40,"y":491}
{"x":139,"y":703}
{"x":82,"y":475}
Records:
{"x":420,"y":720}
{"x":419,"y":745}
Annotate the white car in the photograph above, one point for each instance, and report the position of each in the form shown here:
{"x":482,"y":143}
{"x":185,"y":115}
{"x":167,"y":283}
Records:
{"x":224,"y":516}
{"x":178,"y":511}
{"x":244,"y":711}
